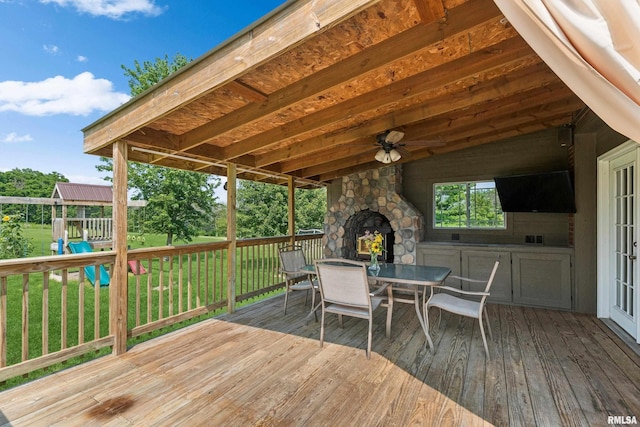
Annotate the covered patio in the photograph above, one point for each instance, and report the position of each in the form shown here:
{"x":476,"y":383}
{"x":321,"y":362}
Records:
{"x":305,"y":98}
{"x":257,"y":367}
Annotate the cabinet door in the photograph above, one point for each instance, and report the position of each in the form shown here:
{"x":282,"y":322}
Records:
{"x":478,"y":265}
{"x":542,"y":279}
{"x":442,"y":257}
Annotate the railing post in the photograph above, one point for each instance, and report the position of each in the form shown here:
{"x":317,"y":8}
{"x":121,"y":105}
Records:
{"x":118,"y":286}
{"x":231,"y":237}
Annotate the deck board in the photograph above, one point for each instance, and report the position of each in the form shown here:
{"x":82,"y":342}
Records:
{"x":259,"y":367}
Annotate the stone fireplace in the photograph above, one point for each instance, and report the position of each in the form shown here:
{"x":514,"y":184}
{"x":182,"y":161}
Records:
{"x":373,"y":200}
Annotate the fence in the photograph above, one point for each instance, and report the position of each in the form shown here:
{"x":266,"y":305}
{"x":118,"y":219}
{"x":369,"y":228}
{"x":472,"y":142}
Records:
{"x":63,"y":312}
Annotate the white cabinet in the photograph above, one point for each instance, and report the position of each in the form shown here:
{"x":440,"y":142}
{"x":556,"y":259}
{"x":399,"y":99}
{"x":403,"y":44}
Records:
{"x":479,"y":264}
{"x":542,"y":279}
{"x":535,"y":276}
{"x":442,"y":257}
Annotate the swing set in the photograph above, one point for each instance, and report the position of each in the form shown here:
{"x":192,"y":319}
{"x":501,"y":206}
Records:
{"x":82,"y":200}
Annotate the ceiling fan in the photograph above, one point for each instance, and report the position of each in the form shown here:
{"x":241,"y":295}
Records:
{"x":391,"y":148}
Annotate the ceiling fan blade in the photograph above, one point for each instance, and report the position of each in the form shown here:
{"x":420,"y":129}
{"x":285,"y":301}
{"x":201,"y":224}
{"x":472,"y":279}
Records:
{"x":394,"y":136}
{"x":404,"y":152}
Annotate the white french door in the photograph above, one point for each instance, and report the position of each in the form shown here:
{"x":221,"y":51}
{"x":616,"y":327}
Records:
{"x":623,"y":241}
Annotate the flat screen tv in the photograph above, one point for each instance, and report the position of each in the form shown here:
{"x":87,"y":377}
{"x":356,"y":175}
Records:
{"x":542,"y":192}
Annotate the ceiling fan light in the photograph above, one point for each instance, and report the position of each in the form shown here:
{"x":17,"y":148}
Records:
{"x":394,"y":155}
{"x":380,"y":155}
{"x":386,"y":159}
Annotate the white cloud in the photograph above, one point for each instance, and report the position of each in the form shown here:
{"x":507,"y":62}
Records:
{"x":78,"y":96}
{"x":115,"y":9}
{"x":13,"y":137}
{"x":82,"y":58}
{"x":51,"y":48}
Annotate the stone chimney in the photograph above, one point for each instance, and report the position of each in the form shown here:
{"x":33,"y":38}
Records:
{"x":376,"y":190}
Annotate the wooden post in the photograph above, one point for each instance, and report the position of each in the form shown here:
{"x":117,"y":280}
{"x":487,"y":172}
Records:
{"x":118,"y":284}
{"x":231,"y":237}
{"x":292,"y":210}
{"x":65,"y":225}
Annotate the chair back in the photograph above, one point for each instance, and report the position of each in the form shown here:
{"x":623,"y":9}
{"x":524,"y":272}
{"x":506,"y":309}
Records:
{"x":343,"y":282}
{"x":292,"y":259}
{"x":492,"y":276}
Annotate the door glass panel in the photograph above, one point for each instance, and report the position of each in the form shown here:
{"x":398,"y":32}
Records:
{"x":625,"y":237}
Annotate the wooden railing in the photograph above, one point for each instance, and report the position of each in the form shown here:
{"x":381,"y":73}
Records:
{"x":36,"y":293}
{"x":94,"y":228}
{"x":61,"y":315}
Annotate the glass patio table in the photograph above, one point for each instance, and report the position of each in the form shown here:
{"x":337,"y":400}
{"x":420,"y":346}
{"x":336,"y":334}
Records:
{"x":415,"y":275}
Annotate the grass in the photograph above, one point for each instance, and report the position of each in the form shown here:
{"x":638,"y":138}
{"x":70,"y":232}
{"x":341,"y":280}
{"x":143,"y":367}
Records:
{"x":41,"y":238}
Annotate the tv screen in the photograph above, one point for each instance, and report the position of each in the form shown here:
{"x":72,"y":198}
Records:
{"x":543,"y":192}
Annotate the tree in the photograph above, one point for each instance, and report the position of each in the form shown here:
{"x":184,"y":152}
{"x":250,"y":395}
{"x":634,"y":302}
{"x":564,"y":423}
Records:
{"x":262,"y":209}
{"x":28,"y":183}
{"x":142,"y":77}
{"x":180,"y":203}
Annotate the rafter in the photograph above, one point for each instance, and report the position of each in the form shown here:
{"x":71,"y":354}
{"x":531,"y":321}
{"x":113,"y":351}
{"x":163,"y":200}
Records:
{"x":391,"y":50}
{"x":525,"y":80}
{"x":494,"y":117}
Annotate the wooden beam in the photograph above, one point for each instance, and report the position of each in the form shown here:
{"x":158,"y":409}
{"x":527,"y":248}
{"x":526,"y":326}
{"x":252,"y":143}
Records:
{"x":153,"y":138}
{"x":403,"y":45}
{"x":430,"y":10}
{"x":514,"y":131}
{"x":466,"y":67}
{"x":12,"y":200}
{"x":483,"y":91}
{"x":493,"y":136}
{"x":494,"y":117}
{"x":246,"y":91}
{"x":119,"y":286}
{"x":288,"y":27}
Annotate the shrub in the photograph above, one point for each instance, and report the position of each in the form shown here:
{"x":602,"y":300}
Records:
{"x":13,"y":244}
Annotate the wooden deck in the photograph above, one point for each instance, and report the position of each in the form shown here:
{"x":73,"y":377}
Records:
{"x":258,"y":367}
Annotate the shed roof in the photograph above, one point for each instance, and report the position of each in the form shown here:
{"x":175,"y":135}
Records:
{"x":71,"y":193}
{"x":306,"y":91}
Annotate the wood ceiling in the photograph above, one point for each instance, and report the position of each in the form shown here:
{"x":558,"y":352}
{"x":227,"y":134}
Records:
{"x":305,"y":91}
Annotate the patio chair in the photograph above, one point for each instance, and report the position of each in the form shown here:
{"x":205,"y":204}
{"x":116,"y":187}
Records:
{"x":344,"y":289}
{"x":463,"y":306}
{"x":292,"y":260}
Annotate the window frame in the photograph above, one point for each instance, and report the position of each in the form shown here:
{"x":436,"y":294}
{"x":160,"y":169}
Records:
{"x":439,"y":228}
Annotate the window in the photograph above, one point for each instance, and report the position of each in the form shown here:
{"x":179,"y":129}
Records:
{"x":469,"y":205}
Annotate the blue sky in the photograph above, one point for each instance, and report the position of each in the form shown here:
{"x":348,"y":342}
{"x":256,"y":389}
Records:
{"x":61,"y":67}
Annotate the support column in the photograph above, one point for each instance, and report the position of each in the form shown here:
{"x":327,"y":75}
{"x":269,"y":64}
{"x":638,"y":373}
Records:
{"x":231,"y":237}
{"x":118,"y":285}
{"x":585,"y":223}
{"x":292,"y":210}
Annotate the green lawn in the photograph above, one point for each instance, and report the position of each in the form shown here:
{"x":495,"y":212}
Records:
{"x":40,"y":236}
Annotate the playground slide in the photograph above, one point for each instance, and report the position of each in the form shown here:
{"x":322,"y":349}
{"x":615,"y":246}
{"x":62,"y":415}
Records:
{"x":133,"y":266}
{"x":89,"y":271}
